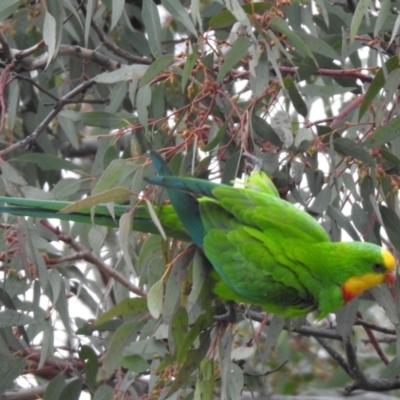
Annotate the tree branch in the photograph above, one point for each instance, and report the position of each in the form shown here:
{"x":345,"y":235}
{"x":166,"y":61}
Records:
{"x":360,"y":380}
{"x":117,"y":50}
{"x":93,"y":259}
{"x":43,"y":125}
{"x":304,"y":330}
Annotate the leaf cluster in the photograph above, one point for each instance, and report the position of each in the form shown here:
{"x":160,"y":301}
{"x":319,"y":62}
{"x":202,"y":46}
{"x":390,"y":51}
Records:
{"x":88,"y":87}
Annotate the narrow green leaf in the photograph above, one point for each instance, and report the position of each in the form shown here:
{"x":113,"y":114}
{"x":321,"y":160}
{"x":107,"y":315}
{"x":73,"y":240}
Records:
{"x":116,"y":195}
{"x":345,"y":319}
{"x":378,"y":83}
{"x":155,"y":299}
{"x":322,"y":9}
{"x":13,"y":103}
{"x":151,"y":20}
{"x":47,"y":162}
{"x":384,"y":298}
{"x":126,"y":308}
{"x":55,"y":387}
{"x":273,"y":332}
{"x":368,"y":23}
{"x":382,"y":135}
{"x":14,"y":369}
{"x":156,"y":67}
{"x":63,"y":310}
{"x":104,"y":392}
{"x":395,"y":29}
{"x":390,"y":157}
{"x":11,"y":174}
{"x":235,"y":54}
{"x":176,"y":9}
{"x":348,"y":147}
{"x":295,"y":97}
{"x":175,"y":294}
{"x":179,"y":325}
{"x":324,"y":90}
{"x":342,"y":221}
{"x":70,"y":130}
{"x":88,"y":19}
{"x":155,"y":219}
{"x":90,"y":365}
{"x":351,"y":185}
{"x":125,"y":229}
{"x":359,"y":14}
{"x":231,"y":168}
{"x":236,"y":9}
{"x":260,"y":80}
{"x":322,"y":200}
{"x":225,"y":19}
{"x":116,"y":14}
{"x":235,"y":381}
{"x":56,"y":9}
{"x":50,"y":36}
{"x":135,"y":363}
{"x":280,"y":25}
{"x":112,"y":359}
{"x":191,"y":363}
{"x":317,"y":45}
{"x":102,"y":119}
{"x":10,"y":318}
{"x":189,"y":339}
{"x":215,"y":141}
{"x":265,"y":131}
{"x":8,"y":7}
{"x":189,"y":64}
{"x":72,"y":390}
{"x":143,"y":101}
{"x":205,"y":380}
{"x":109,"y":176}
{"x":383,"y":13}
{"x":391,"y":222}
{"x":122,"y":74}
{"x":199,"y":276}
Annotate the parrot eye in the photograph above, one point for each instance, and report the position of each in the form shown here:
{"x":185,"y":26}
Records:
{"x":379,"y":268}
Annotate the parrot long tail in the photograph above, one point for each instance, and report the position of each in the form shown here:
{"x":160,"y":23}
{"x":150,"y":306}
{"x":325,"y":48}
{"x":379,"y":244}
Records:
{"x":183,"y":193}
{"x":142,"y":220}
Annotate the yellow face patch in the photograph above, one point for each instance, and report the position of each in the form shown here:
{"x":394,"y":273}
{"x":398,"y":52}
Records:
{"x":358,"y":284}
{"x":388,"y":260}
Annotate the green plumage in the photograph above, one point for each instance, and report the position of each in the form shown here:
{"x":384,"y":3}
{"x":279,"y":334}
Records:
{"x":265,"y":251}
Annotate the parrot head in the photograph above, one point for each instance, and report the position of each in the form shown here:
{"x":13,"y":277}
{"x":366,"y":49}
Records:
{"x":381,"y":270}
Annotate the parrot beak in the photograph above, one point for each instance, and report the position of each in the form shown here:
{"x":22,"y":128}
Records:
{"x":390,"y":277}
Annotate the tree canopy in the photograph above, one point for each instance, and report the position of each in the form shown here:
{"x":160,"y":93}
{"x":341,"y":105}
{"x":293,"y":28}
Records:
{"x":87,"y":88}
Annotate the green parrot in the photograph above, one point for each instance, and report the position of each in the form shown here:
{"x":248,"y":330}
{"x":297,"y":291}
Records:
{"x":264,"y":250}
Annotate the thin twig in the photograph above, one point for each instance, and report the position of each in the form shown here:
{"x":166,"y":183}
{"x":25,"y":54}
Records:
{"x":374,"y":342}
{"x":43,"y":125}
{"x":375,"y":327}
{"x":30,"y":64}
{"x":79,"y":101}
{"x":266,"y":373}
{"x":117,"y":50}
{"x":360,"y":380}
{"x":93,"y":259}
{"x":304,"y":330}
{"x":333,"y":353}
{"x":34,"y":83}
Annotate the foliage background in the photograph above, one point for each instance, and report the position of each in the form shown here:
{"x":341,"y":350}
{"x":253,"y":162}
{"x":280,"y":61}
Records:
{"x":88,"y":87}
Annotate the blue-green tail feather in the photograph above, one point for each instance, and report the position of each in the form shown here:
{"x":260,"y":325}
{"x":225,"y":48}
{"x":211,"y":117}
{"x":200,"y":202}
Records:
{"x":182,"y":193}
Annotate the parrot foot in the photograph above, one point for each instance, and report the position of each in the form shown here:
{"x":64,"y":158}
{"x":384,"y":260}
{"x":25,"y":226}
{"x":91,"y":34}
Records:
{"x":229,"y":316}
